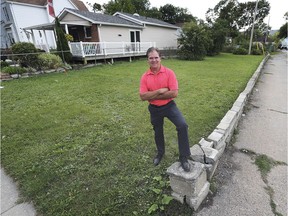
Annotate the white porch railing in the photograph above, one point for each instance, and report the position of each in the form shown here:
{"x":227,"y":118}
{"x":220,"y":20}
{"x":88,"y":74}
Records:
{"x":85,"y":49}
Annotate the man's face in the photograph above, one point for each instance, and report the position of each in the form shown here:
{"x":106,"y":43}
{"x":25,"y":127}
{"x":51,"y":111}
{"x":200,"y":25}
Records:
{"x":154,"y":60}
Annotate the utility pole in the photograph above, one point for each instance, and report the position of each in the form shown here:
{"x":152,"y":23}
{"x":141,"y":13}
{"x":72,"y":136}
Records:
{"x":252,"y":31}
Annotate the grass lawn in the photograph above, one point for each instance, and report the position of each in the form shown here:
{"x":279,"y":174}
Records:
{"x":81,"y":143}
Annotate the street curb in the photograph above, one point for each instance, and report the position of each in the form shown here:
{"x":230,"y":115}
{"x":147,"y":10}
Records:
{"x":205,"y":155}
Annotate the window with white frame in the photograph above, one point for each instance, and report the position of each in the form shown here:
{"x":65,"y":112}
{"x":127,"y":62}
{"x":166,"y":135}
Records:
{"x":87,"y":31}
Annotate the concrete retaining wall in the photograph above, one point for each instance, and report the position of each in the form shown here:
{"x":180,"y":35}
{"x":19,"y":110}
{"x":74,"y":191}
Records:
{"x":193,"y":187}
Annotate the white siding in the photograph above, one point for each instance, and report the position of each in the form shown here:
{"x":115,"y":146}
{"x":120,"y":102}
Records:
{"x":164,"y":37}
{"x":72,"y":19}
{"x":112,"y":34}
{"x":22,"y":19}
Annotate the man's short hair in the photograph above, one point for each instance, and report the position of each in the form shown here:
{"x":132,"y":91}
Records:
{"x":151,"y":49}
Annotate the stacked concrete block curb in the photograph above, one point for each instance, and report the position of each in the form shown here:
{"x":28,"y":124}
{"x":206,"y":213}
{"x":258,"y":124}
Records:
{"x":193,"y":187}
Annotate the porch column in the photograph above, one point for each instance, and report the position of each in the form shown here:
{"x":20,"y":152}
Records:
{"x":66,"y":29}
{"x":47,"y":45}
{"x":33,"y":37}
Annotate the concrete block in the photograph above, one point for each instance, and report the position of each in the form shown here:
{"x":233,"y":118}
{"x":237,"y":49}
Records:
{"x":195,"y":202}
{"x":230,"y":117}
{"x":216,"y":137}
{"x":187,"y":183}
{"x":210,"y":169}
{"x":178,"y":197}
{"x":197,"y":154}
{"x":242,"y":98}
{"x":206,"y":143}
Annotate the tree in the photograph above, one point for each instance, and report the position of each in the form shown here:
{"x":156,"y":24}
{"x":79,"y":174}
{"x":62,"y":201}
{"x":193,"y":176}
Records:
{"x":193,"y":42}
{"x":217,"y":33}
{"x":62,"y":43}
{"x":283,"y":31}
{"x":128,"y":6}
{"x":95,"y":7}
{"x":175,"y":15}
{"x":239,"y":15}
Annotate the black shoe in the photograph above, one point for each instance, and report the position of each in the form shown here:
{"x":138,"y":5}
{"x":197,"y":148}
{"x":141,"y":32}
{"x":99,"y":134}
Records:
{"x":157,"y":159}
{"x":185,"y":164}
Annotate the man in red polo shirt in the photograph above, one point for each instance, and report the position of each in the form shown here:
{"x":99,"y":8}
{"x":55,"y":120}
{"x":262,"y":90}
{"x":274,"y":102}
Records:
{"x":159,"y":87}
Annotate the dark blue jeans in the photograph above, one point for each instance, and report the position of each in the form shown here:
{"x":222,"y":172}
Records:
{"x":170,"y":111}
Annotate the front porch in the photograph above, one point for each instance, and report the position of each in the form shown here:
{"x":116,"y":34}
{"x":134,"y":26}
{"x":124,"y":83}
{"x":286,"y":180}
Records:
{"x":89,"y":51}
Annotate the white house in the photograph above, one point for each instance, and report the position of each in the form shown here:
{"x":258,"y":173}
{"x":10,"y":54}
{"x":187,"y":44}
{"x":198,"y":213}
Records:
{"x":16,"y":15}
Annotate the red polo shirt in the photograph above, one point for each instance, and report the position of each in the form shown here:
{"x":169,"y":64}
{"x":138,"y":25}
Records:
{"x":164,"y":78}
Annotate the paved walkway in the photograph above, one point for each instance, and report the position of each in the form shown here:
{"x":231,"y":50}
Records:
{"x":10,"y":198}
{"x":262,"y":130}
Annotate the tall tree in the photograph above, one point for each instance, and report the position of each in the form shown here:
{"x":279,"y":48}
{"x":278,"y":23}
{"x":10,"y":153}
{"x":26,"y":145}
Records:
{"x":128,"y":6}
{"x":95,"y":7}
{"x":193,"y":42}
{"x":174,"y":15}
{"x":62,"y":43}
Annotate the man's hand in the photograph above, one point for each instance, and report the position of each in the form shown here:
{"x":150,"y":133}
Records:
{"x":162,"y":90}
{"x":159,"y":94}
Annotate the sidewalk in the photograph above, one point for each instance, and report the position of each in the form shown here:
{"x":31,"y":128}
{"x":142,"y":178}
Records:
{"x":241,"y":190}
{"x":10,"y":198}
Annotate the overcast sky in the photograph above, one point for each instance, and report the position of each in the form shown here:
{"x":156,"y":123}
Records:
{"x":198,"y":8}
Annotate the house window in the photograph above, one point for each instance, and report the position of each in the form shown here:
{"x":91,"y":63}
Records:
{"x":87,"y":31}
{"x":11,"y":38}
{"x":6,"y":14}
{"x":135,"y":36}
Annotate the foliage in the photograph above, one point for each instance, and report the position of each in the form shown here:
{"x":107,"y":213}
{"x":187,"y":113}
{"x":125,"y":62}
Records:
{"x":193,"y":42}
{"x":49,"y":61}
{"x":62,"y":43}
{"x":240,"y":51}
{"x":69,"y":37}
{"x":3,"y":64}
{"x":240,"y":15}
{"x":283,"y":31}
{"x":128,"y":6}
{"x":81,"y":143}
{"x":173,"y":15}
{"x":217,"y":33}
{"x":27,"y":54}
{"x":228,"y":49}
{"x":167,"y":13}
{"x":14,"y":70}
{"x":95,"y":6}
{"x":158,"y":186}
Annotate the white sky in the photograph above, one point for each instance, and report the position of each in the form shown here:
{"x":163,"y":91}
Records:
{"x":198,"y":8}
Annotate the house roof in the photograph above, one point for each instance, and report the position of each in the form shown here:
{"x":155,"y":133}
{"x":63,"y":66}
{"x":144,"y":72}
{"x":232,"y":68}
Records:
{"x":99,"y":18}
{"x":144,"y":20}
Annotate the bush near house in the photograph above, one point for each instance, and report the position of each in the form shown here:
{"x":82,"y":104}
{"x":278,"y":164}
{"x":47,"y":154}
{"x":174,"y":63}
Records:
{"x":14,"y":70}
{"x":27,"y":54}
{"x":49,"y":61}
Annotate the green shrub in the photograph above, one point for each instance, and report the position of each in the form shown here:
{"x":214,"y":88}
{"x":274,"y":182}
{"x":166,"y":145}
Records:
{"x":4,"y":64}
{"x":49,"y":61}
{"x":14,"y":70}
{"x":240,"y":51}
{"x":228,"y":49}
{"x":28,"y":54}
{"x":256,"y":52}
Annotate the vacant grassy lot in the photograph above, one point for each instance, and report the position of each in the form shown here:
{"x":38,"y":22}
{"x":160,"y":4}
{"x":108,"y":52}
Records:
{"x":81,"y":143}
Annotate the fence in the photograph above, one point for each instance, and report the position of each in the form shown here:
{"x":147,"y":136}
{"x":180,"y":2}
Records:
{"x":89,"y":49}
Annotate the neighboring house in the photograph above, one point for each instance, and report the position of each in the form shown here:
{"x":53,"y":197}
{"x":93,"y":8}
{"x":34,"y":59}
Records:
{"x":16,"y":15}
{"x":88,"y":26}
